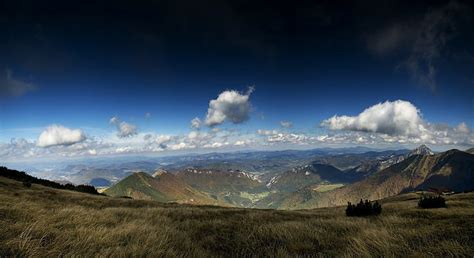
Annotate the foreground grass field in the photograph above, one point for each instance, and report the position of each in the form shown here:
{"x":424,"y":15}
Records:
{"x":41,"y":221}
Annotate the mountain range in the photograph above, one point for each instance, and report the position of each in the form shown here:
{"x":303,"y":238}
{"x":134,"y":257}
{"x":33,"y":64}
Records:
{"x":321,"y":182}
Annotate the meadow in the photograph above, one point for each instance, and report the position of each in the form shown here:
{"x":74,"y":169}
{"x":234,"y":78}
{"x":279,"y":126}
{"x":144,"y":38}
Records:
{"x":43,"y":222}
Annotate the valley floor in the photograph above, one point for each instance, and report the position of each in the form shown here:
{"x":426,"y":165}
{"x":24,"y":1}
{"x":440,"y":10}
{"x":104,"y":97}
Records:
{"x":41,"y":221}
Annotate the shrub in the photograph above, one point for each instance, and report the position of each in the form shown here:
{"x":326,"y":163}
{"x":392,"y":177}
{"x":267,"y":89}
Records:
{"x":428,"y":202}
{"x":27,"y":184}
{"x":366,"y":208}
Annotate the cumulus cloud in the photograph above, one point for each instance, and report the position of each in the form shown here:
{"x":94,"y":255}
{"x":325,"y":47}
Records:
{"x":10,"y":86}
{"x":275,"y":137}
{"x":124,"y":129}
{"x":59,"y":135}
{"x":392,"y":118}
{"x":157,"y":142}
{"x":230,"y":106}
{"x":396,"y":122}
{"x":196,"y":123}
{"x":114,"y":120}
{"x":286,"y":124}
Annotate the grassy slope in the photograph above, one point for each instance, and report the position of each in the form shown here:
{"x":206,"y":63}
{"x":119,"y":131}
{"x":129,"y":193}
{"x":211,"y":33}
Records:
{"x":134,"y":181}
{"x":164,"y":188}
{"x":40,"y":221}
{"x":225,"y":187}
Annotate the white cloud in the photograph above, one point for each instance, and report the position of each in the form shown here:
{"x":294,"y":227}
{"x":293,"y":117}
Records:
{"x":154,"y":142}
{"x":397,"y":122}
{"x":181,"y":146}
{"x":266,"y":132}
{"x":230,"y":106}
{"x":463,"y":128}
{"x":124,"y":129}
{"x":196,"y":123}
{"x":123,"y":149}
{"x":216,"y":145}
{"x":114,"y":120}
{"x":274,"y":136}
{"x":60,"y":135}
{"x":240,"y":143}
{"x":286,"y":124}
{"x":460,"y":136}
{"x":392,"y":118}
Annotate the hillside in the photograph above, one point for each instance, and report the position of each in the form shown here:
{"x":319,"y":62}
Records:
{"x":28,"y":179}
{"x":164,"y":187}
{"x":313,"y":173}
{"x":212,"y":180}
{"x":452,"y":169}
{"x":194,"y":186}
{"x":235,"y":188}
{"x":47,"y":222}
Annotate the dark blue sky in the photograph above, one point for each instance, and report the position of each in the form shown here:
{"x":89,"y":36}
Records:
{"x":82,"y":63}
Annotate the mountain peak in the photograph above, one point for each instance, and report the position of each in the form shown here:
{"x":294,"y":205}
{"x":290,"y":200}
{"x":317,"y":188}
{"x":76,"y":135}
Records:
{"x":159,"y":172}
{"x":421,"y":150}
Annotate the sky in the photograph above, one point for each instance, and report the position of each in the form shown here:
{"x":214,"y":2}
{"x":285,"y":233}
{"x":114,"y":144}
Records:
{"x":80,"y":78}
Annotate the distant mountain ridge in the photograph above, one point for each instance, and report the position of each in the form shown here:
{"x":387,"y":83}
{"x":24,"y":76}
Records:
{"x":452,"y":169}
{"x":318,"y":183}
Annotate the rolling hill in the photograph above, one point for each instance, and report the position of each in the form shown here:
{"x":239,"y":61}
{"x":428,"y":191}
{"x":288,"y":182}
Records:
{"x":164,"y":187}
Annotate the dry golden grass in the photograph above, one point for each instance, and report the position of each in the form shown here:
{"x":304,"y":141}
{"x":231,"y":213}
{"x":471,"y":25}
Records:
{"x":40,"y":221}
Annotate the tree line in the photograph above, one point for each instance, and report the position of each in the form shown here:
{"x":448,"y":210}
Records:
{"x":28,"y":180}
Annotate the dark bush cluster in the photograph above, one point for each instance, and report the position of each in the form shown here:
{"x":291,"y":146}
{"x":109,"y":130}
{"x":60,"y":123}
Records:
{"x":366,"y":208}
{"x":432,"y":202}
{"x":28,"y":180}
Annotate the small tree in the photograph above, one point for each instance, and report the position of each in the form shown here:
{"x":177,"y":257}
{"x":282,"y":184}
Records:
{"x":27,"y":184}
{"x":429,"y":202}
{"x":366,"y":208}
